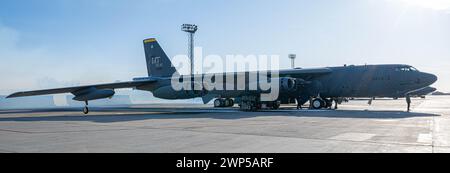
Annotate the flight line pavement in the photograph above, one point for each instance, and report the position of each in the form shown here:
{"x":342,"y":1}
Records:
{"x":356,"y":127}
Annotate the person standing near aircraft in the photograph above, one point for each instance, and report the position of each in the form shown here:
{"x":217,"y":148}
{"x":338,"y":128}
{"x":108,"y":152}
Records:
{"x":408,"y":101}
{"x":299,"y":104}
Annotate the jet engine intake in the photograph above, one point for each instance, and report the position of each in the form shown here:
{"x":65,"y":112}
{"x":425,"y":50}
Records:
{"x":288,"y":84}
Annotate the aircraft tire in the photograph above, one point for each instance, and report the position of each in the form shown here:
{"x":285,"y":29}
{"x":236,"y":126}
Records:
{"x":218,"y":103}
{"x":86,"y":110}
{"x":328,"y":103}
{"x":229,"y":103}
{"x":246,"y":106}
{"x":276,"y":105}
{"x":249,"y":107}
{"x":317,"y":103}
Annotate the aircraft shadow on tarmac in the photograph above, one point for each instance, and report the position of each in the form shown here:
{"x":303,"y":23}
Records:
{"x":111,"y":115}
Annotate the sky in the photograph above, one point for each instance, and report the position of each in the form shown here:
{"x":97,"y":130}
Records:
{"x":55,"y":43}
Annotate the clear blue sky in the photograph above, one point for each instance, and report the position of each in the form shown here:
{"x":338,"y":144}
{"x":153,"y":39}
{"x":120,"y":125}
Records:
{"x":50,"y":43}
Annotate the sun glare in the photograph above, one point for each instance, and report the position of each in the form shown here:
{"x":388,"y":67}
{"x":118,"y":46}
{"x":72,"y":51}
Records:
{"x":430,"y":4}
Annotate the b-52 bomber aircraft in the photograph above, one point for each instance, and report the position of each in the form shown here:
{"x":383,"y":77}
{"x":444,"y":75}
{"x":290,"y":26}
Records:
{"x":319,"y":86}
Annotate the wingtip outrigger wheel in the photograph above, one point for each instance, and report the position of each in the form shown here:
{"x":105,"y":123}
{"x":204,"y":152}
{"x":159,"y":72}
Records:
{"x":86,"y":109}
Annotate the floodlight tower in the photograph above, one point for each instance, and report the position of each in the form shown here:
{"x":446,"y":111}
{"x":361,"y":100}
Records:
{"x":190,"y":29}
{"x":292,"y":57}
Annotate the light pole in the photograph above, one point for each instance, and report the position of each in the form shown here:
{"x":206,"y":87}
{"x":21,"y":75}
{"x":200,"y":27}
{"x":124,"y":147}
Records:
{"x":190,"y":29}
{"x":292,"y":57}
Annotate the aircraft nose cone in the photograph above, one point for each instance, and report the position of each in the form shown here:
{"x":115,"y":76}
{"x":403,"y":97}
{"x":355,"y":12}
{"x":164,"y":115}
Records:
{"x":434,"y":78}
{"x":430,"y":78}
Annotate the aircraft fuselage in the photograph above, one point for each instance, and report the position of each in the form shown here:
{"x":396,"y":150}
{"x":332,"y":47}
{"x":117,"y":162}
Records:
{"x":346,"y":81}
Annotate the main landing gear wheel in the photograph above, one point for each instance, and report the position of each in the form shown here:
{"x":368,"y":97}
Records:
{"x":221,"y":103}
{"x":317,"y":103}
{"x":336,"y":103}
{"x":248,"y":107}
{"x":276,"y":105}
{"x":328,"y":103}
{"x":218,"y":103}
{"x":229,"y":103}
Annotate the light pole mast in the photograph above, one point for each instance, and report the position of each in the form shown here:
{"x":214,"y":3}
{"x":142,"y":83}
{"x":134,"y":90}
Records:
{"x":292,"y":57}
{"x":190,"y":29}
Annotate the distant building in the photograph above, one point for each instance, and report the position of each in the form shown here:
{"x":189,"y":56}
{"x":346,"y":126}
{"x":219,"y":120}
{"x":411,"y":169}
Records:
{"x":27,"y":102}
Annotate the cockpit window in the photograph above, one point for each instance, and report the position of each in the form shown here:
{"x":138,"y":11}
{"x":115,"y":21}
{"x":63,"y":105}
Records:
{"x":413,"y":69}
{"x":406,"y":69}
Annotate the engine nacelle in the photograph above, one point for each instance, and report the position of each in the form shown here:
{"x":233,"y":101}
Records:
{"x":288,"y":84}
{"x":93,"y":94}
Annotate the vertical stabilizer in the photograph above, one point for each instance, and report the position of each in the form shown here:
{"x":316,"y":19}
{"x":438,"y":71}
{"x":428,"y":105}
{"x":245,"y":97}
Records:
{"x":158,"y":63}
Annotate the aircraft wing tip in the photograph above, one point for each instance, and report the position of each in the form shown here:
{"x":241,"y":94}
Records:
{"x":12,"y":95}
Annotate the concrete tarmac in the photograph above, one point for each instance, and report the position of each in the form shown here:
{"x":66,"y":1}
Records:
{"x":356,"y":127}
